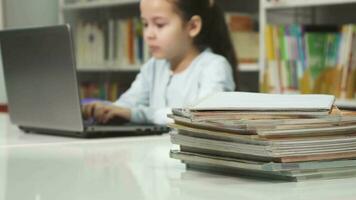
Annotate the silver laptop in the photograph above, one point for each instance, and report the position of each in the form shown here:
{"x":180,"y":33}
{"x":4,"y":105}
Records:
{"x":42,"y":86}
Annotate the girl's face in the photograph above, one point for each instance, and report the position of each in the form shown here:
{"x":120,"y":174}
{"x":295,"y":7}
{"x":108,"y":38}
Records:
{"x":164,"y":31}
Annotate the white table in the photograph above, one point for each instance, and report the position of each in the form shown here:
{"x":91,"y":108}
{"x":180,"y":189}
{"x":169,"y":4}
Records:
{"x":42,"y":167}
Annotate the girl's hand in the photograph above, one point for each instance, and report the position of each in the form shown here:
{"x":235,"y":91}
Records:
{"x":103,"y":113}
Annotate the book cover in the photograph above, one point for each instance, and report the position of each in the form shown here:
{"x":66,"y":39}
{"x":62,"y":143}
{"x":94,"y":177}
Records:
{"x":263,"y":102}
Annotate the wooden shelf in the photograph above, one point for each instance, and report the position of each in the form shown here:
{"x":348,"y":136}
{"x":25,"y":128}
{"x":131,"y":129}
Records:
{"x":248,"y":67}
{"x":243,"y":67}
{"x":278,"y":4}
{"x":97,"y":4}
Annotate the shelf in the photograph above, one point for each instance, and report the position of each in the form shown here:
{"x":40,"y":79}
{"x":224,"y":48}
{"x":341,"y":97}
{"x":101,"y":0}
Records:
{"x":243,"y":67}
{"x":131,"y":68}
{"x":347,"y":104}
{"x":248,"y":67}
{"x":98,"y":4}
{"x":278,"y":4}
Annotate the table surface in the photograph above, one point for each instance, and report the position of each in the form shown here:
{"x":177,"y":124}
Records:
{"x":34,"y":166}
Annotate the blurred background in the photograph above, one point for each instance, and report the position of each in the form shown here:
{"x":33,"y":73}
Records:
{"x":92,"y":23}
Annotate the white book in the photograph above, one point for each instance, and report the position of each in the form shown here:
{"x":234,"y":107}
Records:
{"x":87,"y":45}
{"x":100,"y":45}
{"x":122,"y":34}
{"x":79,"y":42}
{"x":111,"y":42}
{"x":248,"y":101}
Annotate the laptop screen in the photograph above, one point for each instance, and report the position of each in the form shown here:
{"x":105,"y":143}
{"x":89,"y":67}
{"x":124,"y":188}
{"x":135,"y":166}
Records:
{"x":40,"y":78}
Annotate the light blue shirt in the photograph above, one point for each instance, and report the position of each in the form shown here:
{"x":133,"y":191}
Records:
{"x":156,"y":90}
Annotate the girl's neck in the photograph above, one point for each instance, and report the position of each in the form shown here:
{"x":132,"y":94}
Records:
{"x":181,"y":63}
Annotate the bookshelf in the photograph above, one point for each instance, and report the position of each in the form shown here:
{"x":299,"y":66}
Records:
{"x":100,"y":72}
{"x":72,"y":10}
{"x":96,"y":26}
{"x":276,"y":15}
{"x":79,"y":12}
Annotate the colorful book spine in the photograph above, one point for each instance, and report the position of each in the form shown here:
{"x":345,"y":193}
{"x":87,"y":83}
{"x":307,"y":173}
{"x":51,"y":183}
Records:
{"x":310,"y":59}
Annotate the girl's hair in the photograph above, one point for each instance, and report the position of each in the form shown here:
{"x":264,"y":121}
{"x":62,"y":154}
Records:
{"x":214,"y":32}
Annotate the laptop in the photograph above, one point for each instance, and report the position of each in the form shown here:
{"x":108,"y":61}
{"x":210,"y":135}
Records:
{"x":42,"y":86}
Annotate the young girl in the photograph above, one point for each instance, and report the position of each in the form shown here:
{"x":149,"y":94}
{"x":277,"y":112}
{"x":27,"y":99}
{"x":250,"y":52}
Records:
{"x":192,"y":57}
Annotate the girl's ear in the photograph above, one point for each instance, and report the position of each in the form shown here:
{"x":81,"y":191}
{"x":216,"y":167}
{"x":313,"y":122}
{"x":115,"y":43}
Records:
{"x":194,"y":26}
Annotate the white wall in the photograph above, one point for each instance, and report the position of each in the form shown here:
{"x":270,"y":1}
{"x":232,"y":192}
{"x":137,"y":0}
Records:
{"x":22,"y":13}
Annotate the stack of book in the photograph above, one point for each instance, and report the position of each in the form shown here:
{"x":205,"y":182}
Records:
{"x":290,"y":137}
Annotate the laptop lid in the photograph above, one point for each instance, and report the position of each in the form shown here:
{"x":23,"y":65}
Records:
{"x":40,"y":78}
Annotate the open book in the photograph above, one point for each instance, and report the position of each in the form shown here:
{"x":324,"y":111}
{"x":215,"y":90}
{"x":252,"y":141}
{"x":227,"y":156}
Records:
{"x":247,"y":101}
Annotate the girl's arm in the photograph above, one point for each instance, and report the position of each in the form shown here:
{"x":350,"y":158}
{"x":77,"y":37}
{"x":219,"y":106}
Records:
{"x":138,"y":93}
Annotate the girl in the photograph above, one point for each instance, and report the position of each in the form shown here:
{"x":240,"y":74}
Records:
{"x":192,"y":57}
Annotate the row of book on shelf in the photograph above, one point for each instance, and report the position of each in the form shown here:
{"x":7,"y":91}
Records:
{"x":118,"y":43}
{"x":292,"y":137}
{"x":112,"y":43}
{"x":310,"y":59}
{"x":108,"y":90}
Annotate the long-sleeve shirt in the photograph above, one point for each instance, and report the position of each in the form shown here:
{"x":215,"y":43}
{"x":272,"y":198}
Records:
{"x":156,"y":90}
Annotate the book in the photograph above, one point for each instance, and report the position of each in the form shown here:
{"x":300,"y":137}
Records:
{"x":268,"y":130}
{"x":246,"y":45}
{"x":275,"y":127}
{"x":250,"y":168}
{"x":258,"y":140}
{"x":268,"y":166}
{"x":298,"y":151}
{"x":238,"y":22}
{"x":196,"y":116}
{"x":248,"y":101}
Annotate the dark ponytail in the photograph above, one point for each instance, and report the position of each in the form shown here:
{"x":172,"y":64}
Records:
{"x":214,"y":33}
